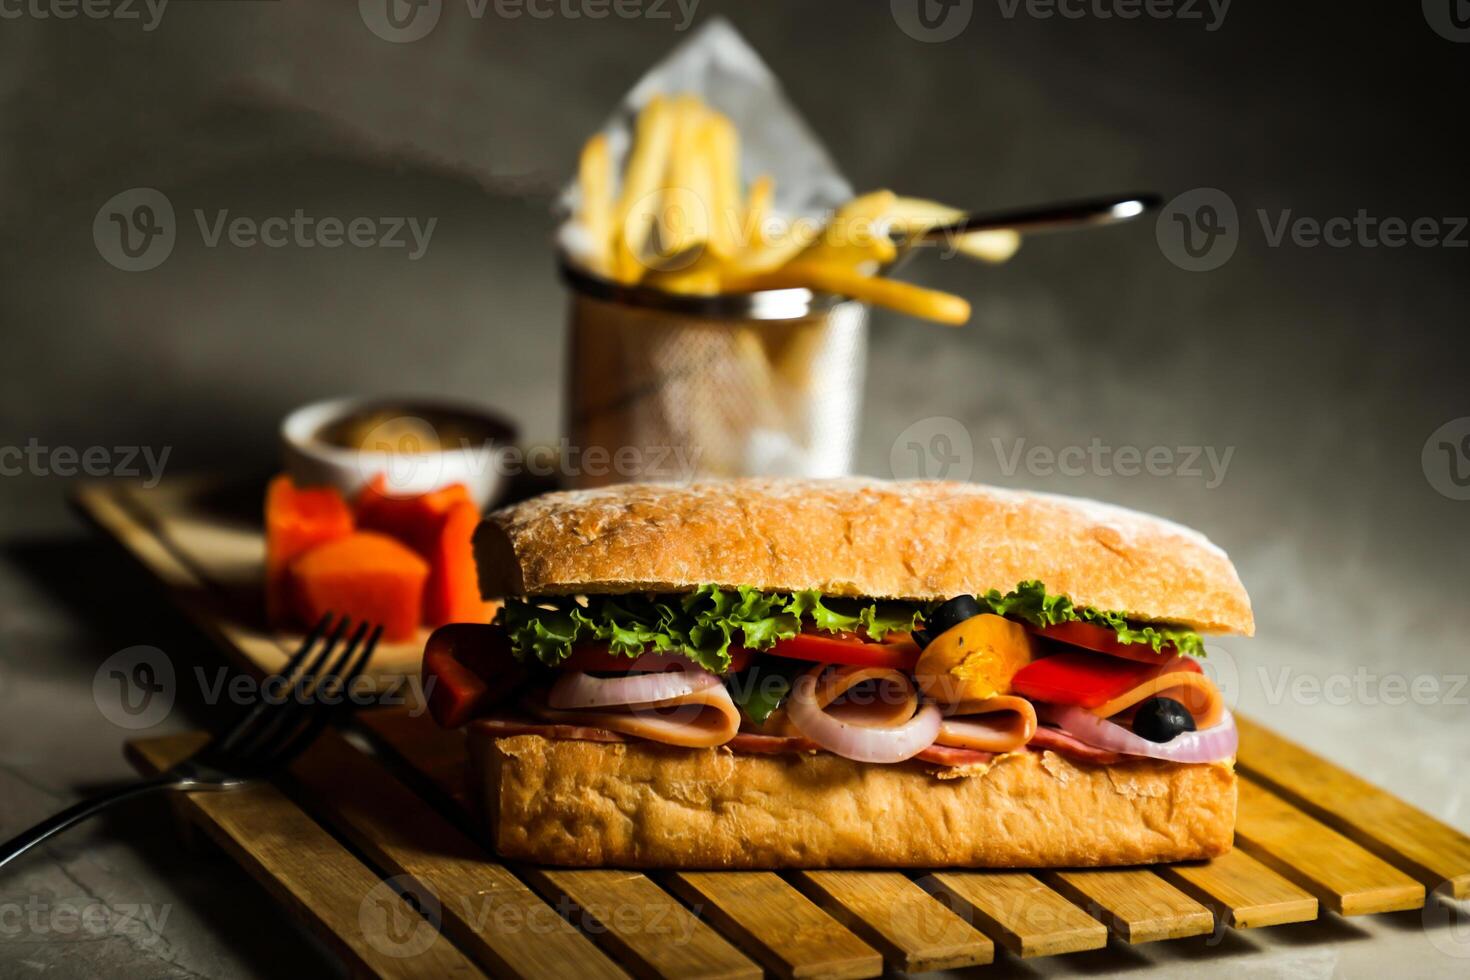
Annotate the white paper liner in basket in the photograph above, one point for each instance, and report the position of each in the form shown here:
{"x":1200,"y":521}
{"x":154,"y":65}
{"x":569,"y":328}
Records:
{"x":708,"y":396}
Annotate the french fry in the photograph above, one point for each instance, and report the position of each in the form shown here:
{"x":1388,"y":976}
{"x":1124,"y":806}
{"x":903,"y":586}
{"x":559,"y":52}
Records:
{"x":912,"y":215}
{"x":594,"y":210}
{"x":683,"y":217}
{"x":648,"y":159}
{"x":857,"y":233}
{"x":699,"y":278}
{"x":757,"y":210}
{"x":722,"y":150}
{"x":768,"y":254}
{"x":994,"y":246}
{"x":930,"y":304}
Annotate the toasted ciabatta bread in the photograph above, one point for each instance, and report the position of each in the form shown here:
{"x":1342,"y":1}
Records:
{"x":643,"y":805}
{"x":900,"y":540}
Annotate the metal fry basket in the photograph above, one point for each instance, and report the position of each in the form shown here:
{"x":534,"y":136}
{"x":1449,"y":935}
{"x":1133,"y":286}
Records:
{"x":672,"y":387}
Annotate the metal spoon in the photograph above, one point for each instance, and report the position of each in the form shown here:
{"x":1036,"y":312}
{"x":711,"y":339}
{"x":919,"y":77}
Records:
{"x":1092,"y":212}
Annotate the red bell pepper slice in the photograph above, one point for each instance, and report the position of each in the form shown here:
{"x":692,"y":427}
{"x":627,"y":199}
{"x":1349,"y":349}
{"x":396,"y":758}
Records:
{"x":1088,"y":679}
{"x":848,"y":648}
{"x":1090,"y":637}
{"x":467,"y":668}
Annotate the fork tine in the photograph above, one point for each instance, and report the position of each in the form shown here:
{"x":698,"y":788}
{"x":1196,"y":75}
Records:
{"x":249,"y":718}
{"x":293,"y":746}
{"x":268,"y":717}
{"x":285,"y":722}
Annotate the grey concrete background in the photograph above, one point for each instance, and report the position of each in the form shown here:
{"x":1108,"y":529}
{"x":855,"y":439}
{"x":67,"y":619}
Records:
{"x":1322,"y":370}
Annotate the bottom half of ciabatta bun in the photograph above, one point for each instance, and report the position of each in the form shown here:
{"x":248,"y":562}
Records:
{"x":644,"y":805}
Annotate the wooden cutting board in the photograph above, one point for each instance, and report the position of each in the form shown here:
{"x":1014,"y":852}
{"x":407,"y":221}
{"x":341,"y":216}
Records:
{"x":203,"y":539}
{"x":375,"y":848}
{"x":347,"y":830}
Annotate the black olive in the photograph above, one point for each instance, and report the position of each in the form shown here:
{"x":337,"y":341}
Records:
{"x":1161,"y":720}
{"x":951,"y":613}
{"x":921,"y":637}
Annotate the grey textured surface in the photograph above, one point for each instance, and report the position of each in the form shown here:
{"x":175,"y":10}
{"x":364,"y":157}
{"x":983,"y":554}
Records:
{"x":1322,"y":370}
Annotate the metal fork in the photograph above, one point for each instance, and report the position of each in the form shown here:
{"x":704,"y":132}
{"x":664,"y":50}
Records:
{"x":265,"y":738}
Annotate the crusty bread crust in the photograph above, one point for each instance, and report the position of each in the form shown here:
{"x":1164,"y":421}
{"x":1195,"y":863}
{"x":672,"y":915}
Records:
{"x":644,"y":805}
{"x":910,"y":540}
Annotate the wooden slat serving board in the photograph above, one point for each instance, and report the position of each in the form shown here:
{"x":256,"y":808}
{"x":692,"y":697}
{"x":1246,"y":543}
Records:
{"x":347,"y":831}
{"x":202,"y":538}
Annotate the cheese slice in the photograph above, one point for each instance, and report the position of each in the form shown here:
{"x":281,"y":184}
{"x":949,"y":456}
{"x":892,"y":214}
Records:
{"x":1190,"y":688}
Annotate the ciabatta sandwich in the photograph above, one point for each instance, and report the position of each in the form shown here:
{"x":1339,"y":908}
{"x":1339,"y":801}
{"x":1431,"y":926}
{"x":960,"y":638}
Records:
{"x":796,"y":674}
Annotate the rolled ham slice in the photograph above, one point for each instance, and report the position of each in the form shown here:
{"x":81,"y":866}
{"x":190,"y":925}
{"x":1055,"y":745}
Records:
{"x":999,"y":724}
{"x":700,"y":719}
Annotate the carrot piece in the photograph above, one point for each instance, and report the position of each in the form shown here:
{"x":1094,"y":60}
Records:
{"x":366,"y":576}
{"x":413,"y":519}
{"x":439,"y":526}
{"x":453,"y":593}
{"x":296,"y":520}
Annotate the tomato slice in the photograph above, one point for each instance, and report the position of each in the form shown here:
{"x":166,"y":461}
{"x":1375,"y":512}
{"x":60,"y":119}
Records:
{"x":848,"y":648}
{"x":467,"y":667}
{"x":1103,"y":640}
{"x":596,"y":658}
{"x":1089,"y":679}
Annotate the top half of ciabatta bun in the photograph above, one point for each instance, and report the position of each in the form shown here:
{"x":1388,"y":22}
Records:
{"x":873,"y":538}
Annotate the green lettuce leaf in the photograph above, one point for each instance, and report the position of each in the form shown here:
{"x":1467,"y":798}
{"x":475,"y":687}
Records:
{"x":760,"y":688}
{"x":1031,"y":603}
{"x":702,"y":625}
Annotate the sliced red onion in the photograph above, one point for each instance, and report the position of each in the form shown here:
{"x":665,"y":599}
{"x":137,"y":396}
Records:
{"x":1209,"y":745}
{"x":858,"y":742}
{"x":576,"y":690}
